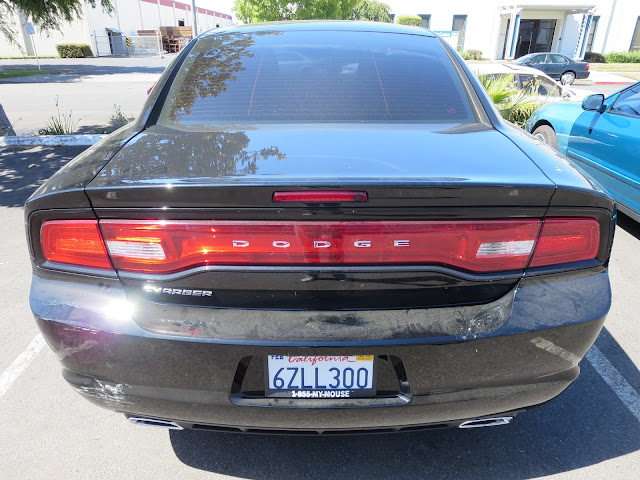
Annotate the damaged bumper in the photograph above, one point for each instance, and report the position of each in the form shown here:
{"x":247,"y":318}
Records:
{"x":435,"y":366}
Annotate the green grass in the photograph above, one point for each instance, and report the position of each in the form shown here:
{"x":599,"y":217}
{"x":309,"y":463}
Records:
{"x":21,"y":73}
{"x":615,"y":67}
{"x":632,"y":76}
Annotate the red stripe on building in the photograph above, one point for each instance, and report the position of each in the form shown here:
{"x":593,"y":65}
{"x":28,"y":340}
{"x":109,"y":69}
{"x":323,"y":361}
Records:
{"x":184,"y":6}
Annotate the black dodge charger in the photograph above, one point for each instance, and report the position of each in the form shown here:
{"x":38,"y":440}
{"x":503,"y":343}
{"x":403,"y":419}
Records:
{"x":319,"y":227}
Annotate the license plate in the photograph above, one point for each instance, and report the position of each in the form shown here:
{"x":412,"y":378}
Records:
{"x":320,"y":376}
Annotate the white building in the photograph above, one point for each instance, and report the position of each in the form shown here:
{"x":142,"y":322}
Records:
{"x":510,"y":29}
{"x":99,"y":29}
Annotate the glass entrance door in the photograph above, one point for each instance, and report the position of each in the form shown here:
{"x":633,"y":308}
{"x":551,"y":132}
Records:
{"x":535,"y":36}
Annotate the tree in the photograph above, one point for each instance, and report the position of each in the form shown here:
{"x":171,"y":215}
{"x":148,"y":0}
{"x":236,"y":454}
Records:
{"x":372,"y":10}
{"x":45,"y":14}
{"x":273,"y":10}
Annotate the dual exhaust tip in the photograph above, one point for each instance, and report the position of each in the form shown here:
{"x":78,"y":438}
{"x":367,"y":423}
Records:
{"x":486,"y":422}
{"x":475,"y":423}
{"x":154,"y":422}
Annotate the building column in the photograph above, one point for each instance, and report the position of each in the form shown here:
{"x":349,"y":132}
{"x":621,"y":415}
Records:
{"x":512,"y":33}
{"x":582,"y":39}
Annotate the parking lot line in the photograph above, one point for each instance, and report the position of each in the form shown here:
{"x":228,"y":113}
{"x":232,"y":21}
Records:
{"x":20,"y":364}
{"x":625,"y":392}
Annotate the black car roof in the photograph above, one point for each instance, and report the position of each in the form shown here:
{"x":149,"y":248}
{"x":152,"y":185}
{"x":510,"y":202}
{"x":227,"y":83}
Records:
{"x":323,"y":25}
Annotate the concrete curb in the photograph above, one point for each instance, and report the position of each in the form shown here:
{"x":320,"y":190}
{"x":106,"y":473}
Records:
{"x":50,"y":140}
{"x":630,"y":82}
{"x":610,"y":78}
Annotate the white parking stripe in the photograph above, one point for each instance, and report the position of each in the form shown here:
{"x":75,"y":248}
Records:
{"x":20,"y":364}
{"x":615,"y":380}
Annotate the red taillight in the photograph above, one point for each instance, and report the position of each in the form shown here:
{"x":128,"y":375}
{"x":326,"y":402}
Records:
{"x":320,"y":196}
{"x":74,"y":242}
{"x":565,"y":240}
{"x":586,"y":67}
{"x":169,"y":246}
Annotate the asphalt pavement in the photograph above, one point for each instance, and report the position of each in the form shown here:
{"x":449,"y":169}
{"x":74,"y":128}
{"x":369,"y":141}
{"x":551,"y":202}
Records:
{"x":606,"y":89}
{"x":86,"y":90}
{"x":591,"y":431}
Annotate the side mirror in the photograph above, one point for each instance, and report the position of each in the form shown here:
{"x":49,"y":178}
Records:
{"x":593,"y":102}
{"x":528,"y":62}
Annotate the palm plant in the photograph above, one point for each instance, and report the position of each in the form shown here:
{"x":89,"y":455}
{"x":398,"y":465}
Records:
{"x":515,"y":106}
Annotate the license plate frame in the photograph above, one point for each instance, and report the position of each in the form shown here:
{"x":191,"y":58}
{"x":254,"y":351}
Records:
{"x":309,"y":388}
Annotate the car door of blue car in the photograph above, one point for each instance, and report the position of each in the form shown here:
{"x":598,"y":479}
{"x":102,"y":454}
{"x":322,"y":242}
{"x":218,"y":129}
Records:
{"x":607,"y":146}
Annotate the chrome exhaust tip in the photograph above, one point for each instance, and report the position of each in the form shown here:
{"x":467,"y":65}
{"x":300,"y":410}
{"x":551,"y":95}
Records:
{"x":154,"y":422}
{"x":486,"y":422}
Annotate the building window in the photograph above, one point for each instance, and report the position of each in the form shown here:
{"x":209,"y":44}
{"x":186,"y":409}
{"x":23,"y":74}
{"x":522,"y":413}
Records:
{"x":635,"y":43}
{"x":592,"y":33}
{"x":425,"y":21}
{"x":459,"y":25}
{"x":181,"y":22}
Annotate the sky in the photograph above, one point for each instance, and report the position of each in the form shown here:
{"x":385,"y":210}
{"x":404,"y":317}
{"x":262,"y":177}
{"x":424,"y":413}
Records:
{"x":222,"y":6}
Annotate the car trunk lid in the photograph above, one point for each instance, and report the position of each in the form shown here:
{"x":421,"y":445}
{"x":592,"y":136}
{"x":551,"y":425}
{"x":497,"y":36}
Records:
{"x":398,"y":165}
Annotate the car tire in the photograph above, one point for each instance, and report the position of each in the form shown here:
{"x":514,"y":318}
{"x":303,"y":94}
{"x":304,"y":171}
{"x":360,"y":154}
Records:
{"x":567,"y":78}
{"x":547,"y":134}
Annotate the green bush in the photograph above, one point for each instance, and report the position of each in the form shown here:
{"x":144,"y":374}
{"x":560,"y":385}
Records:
{"x":594,"y":57}
{"x":623,"y":57}
{"x":472,"y":55}
{"x":74,"y":50}
{"x":515,"y":106}
{"x":409,"y":20}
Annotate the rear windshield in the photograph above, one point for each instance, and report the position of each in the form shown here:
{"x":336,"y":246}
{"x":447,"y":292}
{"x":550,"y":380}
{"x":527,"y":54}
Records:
{"x":323,"y":76}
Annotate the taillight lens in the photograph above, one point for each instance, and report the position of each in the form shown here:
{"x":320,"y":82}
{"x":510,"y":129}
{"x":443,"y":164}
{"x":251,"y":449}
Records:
{"x":74,"y":242}
{"x":565,"y":240}
{"x":169,"y":246}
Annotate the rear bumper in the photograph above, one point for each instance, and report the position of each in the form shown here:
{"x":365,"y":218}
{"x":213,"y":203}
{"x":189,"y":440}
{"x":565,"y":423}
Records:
{"x":526,"y":359}
{"x":191,"y":383}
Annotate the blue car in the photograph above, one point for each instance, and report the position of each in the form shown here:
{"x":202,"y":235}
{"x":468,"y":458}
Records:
{"x":602,"y":136}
